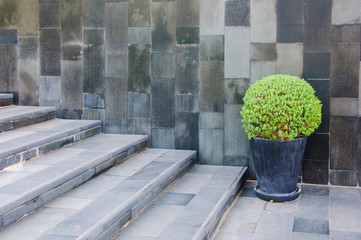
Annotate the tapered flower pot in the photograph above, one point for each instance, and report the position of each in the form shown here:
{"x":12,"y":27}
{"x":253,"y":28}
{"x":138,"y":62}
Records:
{"x":277,"y":165}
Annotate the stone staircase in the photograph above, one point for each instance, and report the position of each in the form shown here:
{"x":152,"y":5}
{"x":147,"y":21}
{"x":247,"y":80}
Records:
{"x":64,"y":179}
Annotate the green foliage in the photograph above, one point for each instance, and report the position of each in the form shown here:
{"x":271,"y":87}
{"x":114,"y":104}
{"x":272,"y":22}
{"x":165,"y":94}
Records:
{"x":281,"y":107}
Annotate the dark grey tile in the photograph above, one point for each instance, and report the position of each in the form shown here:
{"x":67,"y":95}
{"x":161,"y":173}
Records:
{"x":170,"y":198}
{"x":163,"y":64}
{"x":317,"y":147}
{"x":71,"y":52}
{"x":263,"y":52}
{"x":139,"y":13}
{"x":344,"y":143}
{"x":8,"y":36}
{"x":315,"y":171}
{"x":186,"y":75}
{"x":290,"y":12}
{"x":71,"y":113}
{"x":343,"y":177}
{"x":93,"y":13}
{"x":345,"y":70}
{"x":139,"y":68}
{"x":71,"y":21}
{"x":116,"y":26}
{"x":163,"y":138}
{"x":317,"y":65}
{"x":236,"y":161}
{"x":290,"y":33}
{"x":8,"y":60}
{"x":317,"y":26}
{"x":49,"y":15}
{"x":93,"y":68}
{"x":140,"y":126}
{"x":316,"y":190}
{"x":48,"y":1}
{"x":237,"y":13}
{"x":187,"y":131}
{"x":72,"y":88}
{"x":93,"y":101}
{"x":345,"y":33}
{"x":188,"y":13}
{"x":50,"y":52}
{"x":94,"y":36}
{"x":311,"y":226}
{"x":235,"y":89}
{"x":28,"y":48}
{"x":212,"y":86}
{"x":163,"y":102}
{"x":138,"y":105}
{"x":187,"y":35}
{"x":322,"y":91}
{"x":163,"y":26}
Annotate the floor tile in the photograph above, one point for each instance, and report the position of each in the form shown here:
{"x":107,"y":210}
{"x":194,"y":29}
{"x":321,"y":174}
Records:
{"x":169,"y":198}
{"x":345,"y":236}
{"x":311,"y":226}
{"x":308,"y":236}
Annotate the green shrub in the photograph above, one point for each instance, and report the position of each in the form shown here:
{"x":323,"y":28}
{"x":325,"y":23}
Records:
{"x":281,"y":107}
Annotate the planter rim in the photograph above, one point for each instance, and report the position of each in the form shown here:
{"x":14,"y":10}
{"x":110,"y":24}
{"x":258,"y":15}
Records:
{"x":263,"y":139}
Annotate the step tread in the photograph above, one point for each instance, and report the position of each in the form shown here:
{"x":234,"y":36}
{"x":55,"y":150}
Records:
{"x":190,"y":207}
{"x":22,"y":139}
{"x":12,"y":113}
{"x":92,"y":207}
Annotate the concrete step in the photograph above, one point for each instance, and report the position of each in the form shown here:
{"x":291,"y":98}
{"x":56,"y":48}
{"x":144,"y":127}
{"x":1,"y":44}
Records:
{"x":27,"y":142}
{"x":6,"y":99}
{"x":192,"y":208}
{"x":25,"y":187}
{"x":100,"y":207}
{"x":12,"y":117}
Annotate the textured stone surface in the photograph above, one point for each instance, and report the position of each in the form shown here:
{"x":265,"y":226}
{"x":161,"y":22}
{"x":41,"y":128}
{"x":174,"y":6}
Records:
{"x":49,"y":15}
{"x":93,"y":13}
{"x":72,"y":84}
{"x":348,"y":107}
{"x":290,"y":20}
{"x":28,"y":48}
{"x":237,"y":52}
{"x":50,"y":92}
{"x":28,"y":83}
{"x":186,"y":131}
{"x":9,"y":13}
{"x":263,"y":52}
{"x":212,"y":86}
{"x":317,"y":26}
{"x":140,"y":35}
{"x":187,"y":35}
{"x":163,"y":102}
{"x":138,"y":105}
{"x":8,"y":61}
{"x":343,"y":178}
{"x":50,"y":52}
{"x":116,"y":26}
{"x":235,"y":89}
{"x":237,"y":13}
{"x":187,"y":13}
{"x":212,"y":16}
{"x":116,"y":65}
{"x":139,"y":68}
{"x":71,"y":52}
{"x":163,"y":26}
{"x":289,"y":59}
{"x":8,"y":36}
{"x":211,"y":120}
{"x":262,"y":69}
{"x":315,"y":171}
{"x":71,"y":113}
{"x":263,"y":21}
{"x":186,"y":74}
{"x":163,"y":138}
{"x":317,"y":147}
{"x":345,"y":33}
{"x":211,"y":146}
{"x":140,"y":126}
{"x":212,"y":48}
{"x":139,"y":13}
{"x":345,"y":70}
{"x":71,"y":21}
{"x":187,"y":103}
{"x":346,"y":12}
{"x":163,"y":64}
{"x":28,"y":17}
{"x":317,"y":65}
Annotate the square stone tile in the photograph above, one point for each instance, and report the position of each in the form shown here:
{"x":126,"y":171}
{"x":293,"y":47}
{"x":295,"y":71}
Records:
{"x":308,"y":236}
{"x":212,"y":17}
{"x":263,"y":21}
{"x":311,"y":226}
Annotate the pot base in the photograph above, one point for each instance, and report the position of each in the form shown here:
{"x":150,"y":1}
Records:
{"x":281,"y":197}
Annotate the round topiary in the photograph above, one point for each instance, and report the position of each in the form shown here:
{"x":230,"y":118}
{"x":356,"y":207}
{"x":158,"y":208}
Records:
{"x":281,"y":107}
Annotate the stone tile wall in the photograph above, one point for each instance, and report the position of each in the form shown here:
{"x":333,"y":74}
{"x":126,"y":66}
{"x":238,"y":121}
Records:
{"x":177,"y":70}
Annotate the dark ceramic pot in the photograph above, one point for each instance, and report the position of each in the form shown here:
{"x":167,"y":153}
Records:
{"x":277,"y":165}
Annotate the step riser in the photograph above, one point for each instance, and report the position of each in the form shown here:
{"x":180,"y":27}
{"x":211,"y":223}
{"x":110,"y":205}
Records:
{"x":110,"y":226}
{"x":6,"y":102}
{"x":47,"y":147}
{"x":63,"y":187}
{"x":10,"y":125}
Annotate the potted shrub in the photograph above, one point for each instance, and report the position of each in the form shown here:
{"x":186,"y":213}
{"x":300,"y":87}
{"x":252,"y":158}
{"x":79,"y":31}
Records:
{"x":279,"y":112}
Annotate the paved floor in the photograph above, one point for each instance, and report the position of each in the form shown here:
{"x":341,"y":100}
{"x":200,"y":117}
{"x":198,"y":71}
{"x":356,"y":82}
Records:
{"x":322,"y":212}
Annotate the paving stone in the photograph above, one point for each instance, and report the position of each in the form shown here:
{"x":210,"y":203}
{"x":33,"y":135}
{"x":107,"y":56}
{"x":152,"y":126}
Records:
{"x":237,"y":13}
{"x":262,"y":69}
{"x":212,"y":86}
{"x":140,"y":35}
{"x":237,"y":52}
{"x":233,"y":236}
{"x":309,"y":236}
{"x":163,"y":102}
{"x":343,"y":144}
{"x":187,"y":131}
{"x":338,"y":235}
{"x":187,"y":103}
{"x":49,"y":16}
{"x":8,"y":36}
{"x":138,"y":105}
{"x":212,"y":48}
{"x":187,"y":13}
{"x":139,"y":65}
{"x":163,"y":64}
{"x":317,"y":28}
{"x":235,"y":90}
{"x":346,"y":12}
{"x":345,"y":70}
{"x":27,"y":17}
{"x":71,"y":87}
{"x":163,"y":138}
{"x":289,"y":58}
{"x":163,"y":26}
{"x":139,"y":13}
{"x":187,"y":35}
{"x":71,"y":52}
{"x":116,"y":26}
{"x":312,"y":207}
{"x":211,"y":146}
{"x":71,"y":21}
{"x":93,"y":13}
{"x":212,"y":17}
{"x":263,"y":52}
{"x":28,"y":48}
{"x":27,"y":82}
{"x":274,"y":225}
{"x":263,"y":21}
{"x":50,"y":52}
{"x":186,"y":73}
